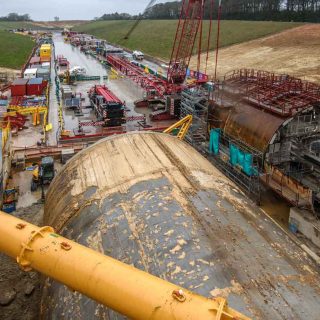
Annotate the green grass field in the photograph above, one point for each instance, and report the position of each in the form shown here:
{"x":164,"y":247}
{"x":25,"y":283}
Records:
{"x":14,"y":49}
{"x":155,"y":37}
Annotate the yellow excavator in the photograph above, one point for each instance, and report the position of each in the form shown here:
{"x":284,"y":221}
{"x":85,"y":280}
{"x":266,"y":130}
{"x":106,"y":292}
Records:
{"x":43,"y":173}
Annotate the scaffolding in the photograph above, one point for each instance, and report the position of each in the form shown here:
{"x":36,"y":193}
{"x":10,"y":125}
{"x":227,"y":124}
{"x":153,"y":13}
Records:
{"x":248,"y":183}
{"x":290,"y":165}
{"x":195,"y":102}
{"x":279,"y":94}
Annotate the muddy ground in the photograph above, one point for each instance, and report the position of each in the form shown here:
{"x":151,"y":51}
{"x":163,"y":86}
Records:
{"x":295,"y":52}
{"x":7,"y":74}
{"x":20,"y":291}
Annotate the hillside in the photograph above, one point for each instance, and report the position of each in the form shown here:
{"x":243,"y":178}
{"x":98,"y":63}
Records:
{"x":295,"y":51}
{"x":155,"y":37}
{"x":14,"y":49}
{"x":5,"y":25}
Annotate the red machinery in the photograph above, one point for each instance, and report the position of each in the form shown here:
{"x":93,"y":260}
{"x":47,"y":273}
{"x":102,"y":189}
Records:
{"x":17,"y":122}
{"x":154,"y":86}
{"x":62,"y":61}
{"x":188,"y":27}
{"x":108,"y":107}
{"x":280,"y":94}
{"x":190,"y":19}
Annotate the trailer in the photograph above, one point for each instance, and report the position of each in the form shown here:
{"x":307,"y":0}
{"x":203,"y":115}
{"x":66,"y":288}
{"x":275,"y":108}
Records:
{"x":108,"y":107}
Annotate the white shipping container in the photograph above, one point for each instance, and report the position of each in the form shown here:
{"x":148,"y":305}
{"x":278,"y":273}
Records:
{"x":30,"y":73}
{"x":45,"y":65}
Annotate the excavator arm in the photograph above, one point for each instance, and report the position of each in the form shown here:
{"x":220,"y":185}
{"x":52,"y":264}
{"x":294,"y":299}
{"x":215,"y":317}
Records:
{"x":184,"y":125}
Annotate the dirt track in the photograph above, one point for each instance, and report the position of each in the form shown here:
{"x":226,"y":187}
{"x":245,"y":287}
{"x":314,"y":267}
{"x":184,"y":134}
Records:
{"x":295,"y":52}
{"x":59,"y":24}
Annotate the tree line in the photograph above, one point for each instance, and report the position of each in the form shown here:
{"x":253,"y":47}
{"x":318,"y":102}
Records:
{"x":277,"y":10}
{"x":280,"y":10}
{"x":16,"y":17}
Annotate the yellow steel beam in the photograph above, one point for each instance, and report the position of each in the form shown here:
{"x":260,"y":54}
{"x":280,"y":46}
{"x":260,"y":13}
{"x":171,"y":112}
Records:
{"x":5,"y":134}
{"x":184,"y":125}
{"x":26,"y":111}
{"x":121,"y":287}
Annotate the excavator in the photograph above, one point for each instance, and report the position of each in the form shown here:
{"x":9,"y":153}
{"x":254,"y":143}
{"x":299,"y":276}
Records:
{"x":43,"y":173}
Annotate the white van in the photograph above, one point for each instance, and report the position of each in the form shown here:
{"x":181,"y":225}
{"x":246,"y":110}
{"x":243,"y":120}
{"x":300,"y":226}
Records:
{"x":137,"y":55}
{"x":77,"y":70}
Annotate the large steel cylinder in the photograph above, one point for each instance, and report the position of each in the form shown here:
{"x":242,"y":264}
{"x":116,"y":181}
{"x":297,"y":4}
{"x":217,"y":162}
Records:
{"x":152,"y":201}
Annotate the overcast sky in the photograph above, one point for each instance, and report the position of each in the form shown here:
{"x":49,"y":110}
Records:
{"x":71,"y":9}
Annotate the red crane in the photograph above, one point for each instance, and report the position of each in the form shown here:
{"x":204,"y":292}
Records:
{"x":190,"y":27}
{"x":190,"y":20}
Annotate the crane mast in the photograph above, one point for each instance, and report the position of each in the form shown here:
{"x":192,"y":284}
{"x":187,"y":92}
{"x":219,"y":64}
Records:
{"x":190,"y":19}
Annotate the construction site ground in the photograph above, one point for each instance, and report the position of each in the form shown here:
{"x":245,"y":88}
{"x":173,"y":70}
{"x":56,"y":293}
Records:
{"x":123,"y":88}
{"x":10,"y":73}
{"x":295,"y":51}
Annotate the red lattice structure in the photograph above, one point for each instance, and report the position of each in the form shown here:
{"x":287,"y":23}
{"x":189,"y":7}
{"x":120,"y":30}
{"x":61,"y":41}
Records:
{"x":146,"y":80}
{"x":191,"y":16}
{"x":280,"y":94}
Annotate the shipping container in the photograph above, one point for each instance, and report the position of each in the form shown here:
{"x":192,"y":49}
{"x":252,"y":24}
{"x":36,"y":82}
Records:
{"x":34,"y":60}
{"x":30,"y":73}
{"x":66,"y":92}
{"x":45,"y":65}
{"x":43,"y":73}
{"x":45,"y":50}
{"x":35,"y":87}
{"x":35,"y":66}
{"x":19,"y":87}
{"x":45,"y":59}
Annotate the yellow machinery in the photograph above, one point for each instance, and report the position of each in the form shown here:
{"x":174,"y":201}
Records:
{"x":114,"y":74}
{"x":43,"y":173}
{"x":184,"y":125}
{"x":45,"y":51}
{"x":5,"y":134}
{"x":34,"y":111}
{"x":121,"y":287}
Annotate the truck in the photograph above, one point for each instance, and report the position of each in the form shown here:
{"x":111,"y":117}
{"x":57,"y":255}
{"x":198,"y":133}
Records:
{"x":137,"y":55}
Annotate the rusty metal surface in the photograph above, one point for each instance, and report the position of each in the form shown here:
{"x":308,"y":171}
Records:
{"x":253,"y":126}
{"x":152,"y":201}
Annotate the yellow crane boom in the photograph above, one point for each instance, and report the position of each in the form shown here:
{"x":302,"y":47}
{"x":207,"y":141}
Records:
{"x":184,"y":125}
{"x":121,"y":287}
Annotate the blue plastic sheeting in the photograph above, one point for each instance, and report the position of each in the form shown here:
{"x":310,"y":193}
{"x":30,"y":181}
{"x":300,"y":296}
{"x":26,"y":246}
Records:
{"x":233,"y":154}
{"x":214,"y":141}
{"x":243,"y":159}
{"x":241,"y":156}
{"x":247,"y":164}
